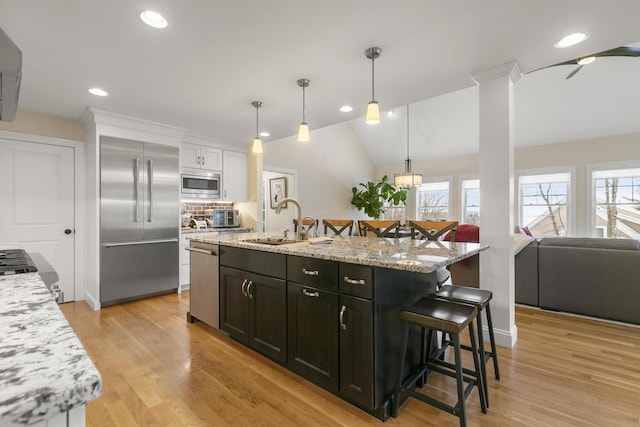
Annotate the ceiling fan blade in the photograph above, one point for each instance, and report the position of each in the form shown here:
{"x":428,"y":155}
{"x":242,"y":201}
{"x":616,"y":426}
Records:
{"x":620,"y":51}
{"x":574,"y":72}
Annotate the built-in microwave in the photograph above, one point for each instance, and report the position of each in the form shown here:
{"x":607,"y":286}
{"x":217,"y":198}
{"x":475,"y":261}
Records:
{"x":200,"y":184}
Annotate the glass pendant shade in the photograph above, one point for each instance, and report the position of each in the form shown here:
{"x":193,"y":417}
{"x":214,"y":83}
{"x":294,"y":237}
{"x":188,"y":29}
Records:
{"x":372,"y":117}
{"x":407,"y":178}
{"x":303,"y":127}
{"x":256,"y":146}
{"x":303,"y":132}
{"x":256,"y":143}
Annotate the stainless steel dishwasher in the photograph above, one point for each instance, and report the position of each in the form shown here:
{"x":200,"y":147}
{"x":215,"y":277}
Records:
{"x":204,"y":294}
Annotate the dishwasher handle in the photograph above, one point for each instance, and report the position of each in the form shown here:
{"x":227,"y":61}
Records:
{"x":202,"y":251}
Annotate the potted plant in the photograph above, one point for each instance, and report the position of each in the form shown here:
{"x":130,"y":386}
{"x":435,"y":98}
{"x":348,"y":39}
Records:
{"x":373,"y":196}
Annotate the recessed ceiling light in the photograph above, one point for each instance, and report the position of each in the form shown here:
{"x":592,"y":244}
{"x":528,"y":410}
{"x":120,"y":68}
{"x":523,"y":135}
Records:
{"x":265,"y":134}
{"x":571,"y":39}
{"x":346,"y":108}
{"x":97,"y":91}
{"x":153,"y":19}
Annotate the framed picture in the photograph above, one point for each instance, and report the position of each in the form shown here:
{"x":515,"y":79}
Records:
{"x":277,"y":191}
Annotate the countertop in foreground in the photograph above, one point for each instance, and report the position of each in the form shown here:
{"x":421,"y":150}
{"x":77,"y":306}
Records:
{"x":420,"y":256}
{"x":44,"y":369}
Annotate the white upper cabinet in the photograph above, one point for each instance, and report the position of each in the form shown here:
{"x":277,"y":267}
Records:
{"x":234,"y":176}
{"x":200,"y":157}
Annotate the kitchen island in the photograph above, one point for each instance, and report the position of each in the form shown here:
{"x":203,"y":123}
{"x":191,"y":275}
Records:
{"x":46,"y":376}
{"x":329,"y":310}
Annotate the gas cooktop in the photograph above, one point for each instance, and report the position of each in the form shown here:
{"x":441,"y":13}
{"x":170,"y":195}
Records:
{"x":15,"y":261}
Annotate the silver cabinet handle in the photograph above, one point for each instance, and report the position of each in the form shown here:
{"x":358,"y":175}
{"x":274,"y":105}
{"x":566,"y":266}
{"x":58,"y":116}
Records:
{"x":202,"y":160}
{"x":139,"y":242}
{"x":310,"y":294}
{"x":249,"y":289}
{"x":150,"y":179}
{"x":202,"y":251}
{"x":136,"y":180}
{"x":310,"y":272}
{"x":343,"y":310}
{"x":197,"y":160}
{"x":353,"y":281}
{"x":244,"y":292}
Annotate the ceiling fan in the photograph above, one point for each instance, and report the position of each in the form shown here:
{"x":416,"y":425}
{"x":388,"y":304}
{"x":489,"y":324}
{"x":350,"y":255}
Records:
{"x":584,"y":60}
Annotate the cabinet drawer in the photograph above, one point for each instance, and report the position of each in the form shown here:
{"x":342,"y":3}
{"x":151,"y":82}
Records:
{"x":319,"y":273}
{"x":356,"y":280}
{"x":267,"y":263}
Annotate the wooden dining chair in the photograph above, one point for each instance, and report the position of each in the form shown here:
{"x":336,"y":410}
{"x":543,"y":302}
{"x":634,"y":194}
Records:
{"x":433,"y":230}
{"x":308,"y":223}
{"x":333,"y":224}
{"x":380,"y":228}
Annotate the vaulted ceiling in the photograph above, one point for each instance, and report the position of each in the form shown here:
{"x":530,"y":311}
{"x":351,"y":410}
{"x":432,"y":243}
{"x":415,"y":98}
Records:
{"x":215,"y":57}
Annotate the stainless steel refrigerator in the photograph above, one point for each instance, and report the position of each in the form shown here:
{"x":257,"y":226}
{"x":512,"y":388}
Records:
{"x":139,"y":212}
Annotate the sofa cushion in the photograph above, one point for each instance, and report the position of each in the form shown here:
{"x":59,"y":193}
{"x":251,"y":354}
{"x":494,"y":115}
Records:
{"x":591,"y":242}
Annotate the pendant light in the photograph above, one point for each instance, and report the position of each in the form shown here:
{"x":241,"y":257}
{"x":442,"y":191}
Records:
{"x":372,"y":117}
{"x":407,"y":178}
{"x":303,"y":127}
{"x":257,"y":142}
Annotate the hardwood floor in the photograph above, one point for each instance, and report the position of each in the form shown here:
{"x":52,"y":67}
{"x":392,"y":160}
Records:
{"x":159,"y":370}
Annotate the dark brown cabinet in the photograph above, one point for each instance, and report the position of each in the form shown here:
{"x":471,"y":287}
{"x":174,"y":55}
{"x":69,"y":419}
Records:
{"x":253,"y":306}
{"x":312,"y":325}
{"x":356,"y":334}
{"x":330,"y":326}
{"x":336,"y":324}
{"x":313,"y":334}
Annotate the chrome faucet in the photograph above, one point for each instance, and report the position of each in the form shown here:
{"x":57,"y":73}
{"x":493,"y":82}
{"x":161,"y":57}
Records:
{"x":305,"y":233}
{"x":297,"y":203}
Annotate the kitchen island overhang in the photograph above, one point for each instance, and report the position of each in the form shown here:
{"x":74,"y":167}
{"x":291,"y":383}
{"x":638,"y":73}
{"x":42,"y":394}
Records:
{"x":419,"y":256}
{"x":330,"y":311}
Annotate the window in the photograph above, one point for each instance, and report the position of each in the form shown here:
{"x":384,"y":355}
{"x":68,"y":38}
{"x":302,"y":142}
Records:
{"x":433,"y":201}
{"x":544,"y":203}
{"x":471,"y":201}
{"x":616,"y":206}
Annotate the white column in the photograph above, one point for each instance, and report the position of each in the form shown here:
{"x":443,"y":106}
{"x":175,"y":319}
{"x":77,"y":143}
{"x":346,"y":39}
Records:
{"x":496,"y":195}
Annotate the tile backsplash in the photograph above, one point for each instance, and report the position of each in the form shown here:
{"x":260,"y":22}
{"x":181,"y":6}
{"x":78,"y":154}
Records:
{"x":198,"y":208}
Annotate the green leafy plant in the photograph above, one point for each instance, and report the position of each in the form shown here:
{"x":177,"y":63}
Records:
{"x":372,"y":197}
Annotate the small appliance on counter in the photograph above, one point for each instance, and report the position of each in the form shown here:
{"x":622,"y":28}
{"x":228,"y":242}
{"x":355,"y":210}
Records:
{"x":223,"y":217}
{"x":198,"y":223}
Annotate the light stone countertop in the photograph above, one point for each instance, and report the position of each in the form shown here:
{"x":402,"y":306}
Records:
{"x":44,"y":369}
{"x":420,"y":256}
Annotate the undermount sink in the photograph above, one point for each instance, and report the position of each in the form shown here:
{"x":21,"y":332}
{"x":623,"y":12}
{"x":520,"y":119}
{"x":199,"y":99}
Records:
{"x":272,"y":241}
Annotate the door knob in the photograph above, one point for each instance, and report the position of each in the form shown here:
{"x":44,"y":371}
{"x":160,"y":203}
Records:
{"x":67,"y":231}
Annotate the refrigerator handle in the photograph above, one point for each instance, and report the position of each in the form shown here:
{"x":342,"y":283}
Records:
{"x":150,"y":182}
{"x":136,"y":179}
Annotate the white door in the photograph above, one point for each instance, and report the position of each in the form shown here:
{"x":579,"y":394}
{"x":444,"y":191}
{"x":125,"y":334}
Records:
{"x":37,"y":204}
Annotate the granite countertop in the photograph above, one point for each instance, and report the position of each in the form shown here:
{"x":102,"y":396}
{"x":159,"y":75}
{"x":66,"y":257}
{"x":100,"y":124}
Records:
{"x":44,"y":369}
{"x":188,"y":230}
{"x":420,"y":256}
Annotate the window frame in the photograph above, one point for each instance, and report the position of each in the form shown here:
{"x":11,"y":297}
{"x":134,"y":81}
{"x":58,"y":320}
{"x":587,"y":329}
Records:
{"x":590,"y":189}
{"x":571,"y":197}
{"x":463,"y":205}
{"x":434,"y":180}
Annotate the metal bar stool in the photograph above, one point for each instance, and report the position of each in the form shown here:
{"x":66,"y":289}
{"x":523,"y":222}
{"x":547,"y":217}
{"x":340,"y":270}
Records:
{"x":447,"y":317}
{"x":479,"y":298}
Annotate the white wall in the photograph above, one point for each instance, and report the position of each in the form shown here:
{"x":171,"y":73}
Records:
{"x":576,"y":154}
{"x":327,"y":167}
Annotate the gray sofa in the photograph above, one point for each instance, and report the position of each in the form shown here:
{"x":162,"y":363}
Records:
{"x":591,"y":276}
